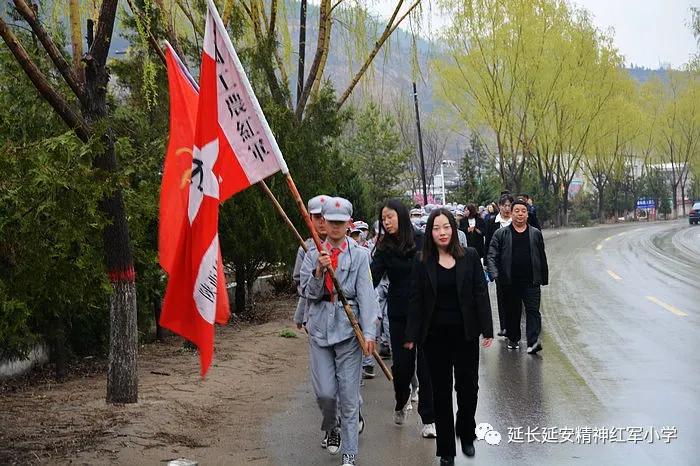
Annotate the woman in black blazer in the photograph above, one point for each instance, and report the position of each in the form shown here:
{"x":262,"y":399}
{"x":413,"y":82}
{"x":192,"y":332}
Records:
{"x":475,"y":228}
{"x":449,"y":309}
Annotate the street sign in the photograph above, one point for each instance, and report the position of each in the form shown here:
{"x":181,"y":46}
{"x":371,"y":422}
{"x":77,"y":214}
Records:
{"x":646,"y":204}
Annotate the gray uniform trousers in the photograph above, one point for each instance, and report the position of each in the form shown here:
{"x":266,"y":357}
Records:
{"x":334,"y":351}
{"x":329,"y":365}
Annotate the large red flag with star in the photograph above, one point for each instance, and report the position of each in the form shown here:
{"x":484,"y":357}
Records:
{"x":233,"y":148}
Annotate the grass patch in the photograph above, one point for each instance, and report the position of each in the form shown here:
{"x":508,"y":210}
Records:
{"x":288,"y":333}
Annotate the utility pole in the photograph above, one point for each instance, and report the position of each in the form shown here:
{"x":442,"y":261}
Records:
{"x":302,"y":49}
{"x":442,"y":178}
{"x":420,"y":145}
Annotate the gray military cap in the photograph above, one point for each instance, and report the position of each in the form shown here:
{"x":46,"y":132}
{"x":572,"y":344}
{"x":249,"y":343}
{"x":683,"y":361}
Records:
{"x":337,"y":209}
{"x":316,"y":203}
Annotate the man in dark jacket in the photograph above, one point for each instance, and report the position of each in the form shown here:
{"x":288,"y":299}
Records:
{"x":502,"y":219}
{"x":531,"y":212}
{"x":517,"y":259}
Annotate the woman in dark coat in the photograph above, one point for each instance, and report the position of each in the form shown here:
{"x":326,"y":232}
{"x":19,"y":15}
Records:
{"x":450,"y":308}
{"x":475,"y":228}
{"x":393,"y":257}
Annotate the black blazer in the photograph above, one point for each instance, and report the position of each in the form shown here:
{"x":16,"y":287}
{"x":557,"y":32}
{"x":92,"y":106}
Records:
{"x":472,"y":296}
{"x":474,"y":239}
{"x":397,"y":267}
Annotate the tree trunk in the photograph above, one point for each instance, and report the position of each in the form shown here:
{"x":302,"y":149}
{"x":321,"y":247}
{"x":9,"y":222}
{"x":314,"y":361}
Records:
{"x":240,"y":298}
{"x":76,"y":37}
{"x":565,"y":206}
{"x":157,"y":308}
{"x":122,"y":375}
{"x":58,"y":354}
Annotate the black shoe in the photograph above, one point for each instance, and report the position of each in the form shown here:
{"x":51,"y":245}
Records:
{"x":468,"y":448}
{"x":534,"y":349}
{"x":384,"y":352}
{"x":333,"y":444}
{"x":502,"y":333}
{"x":367,"y":372}
{"x":513,"y":344}
{"x":447,"y":460}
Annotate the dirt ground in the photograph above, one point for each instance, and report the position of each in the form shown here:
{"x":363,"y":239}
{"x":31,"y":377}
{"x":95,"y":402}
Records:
{"x":215,"y":421}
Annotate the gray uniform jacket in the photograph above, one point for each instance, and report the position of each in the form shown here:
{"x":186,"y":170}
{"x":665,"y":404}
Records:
{"x":300,"y":314}
{"x":462,"y":238}
{"x":327,"y":323}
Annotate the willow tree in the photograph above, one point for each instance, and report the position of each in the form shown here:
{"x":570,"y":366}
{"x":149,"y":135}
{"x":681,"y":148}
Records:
{"x":590,"y":68}
{"x":499,"y":74}
{"x":680,"y":131}
{"x":613,"y":136}
{"x":85,"y":111}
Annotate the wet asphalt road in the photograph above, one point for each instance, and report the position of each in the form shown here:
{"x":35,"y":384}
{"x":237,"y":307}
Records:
{"x":619,"y":352}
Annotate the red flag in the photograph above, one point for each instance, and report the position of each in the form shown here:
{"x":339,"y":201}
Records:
{"x":179,"y":238}
{"x":178,"y":158}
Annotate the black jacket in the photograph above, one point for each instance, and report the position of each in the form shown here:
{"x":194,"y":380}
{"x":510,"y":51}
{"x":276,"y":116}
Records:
{"x":397,"y":267}
{"x":472,"y":295}
{"x":474,"y":239}
{"x":532,"y":217}
{"x":491,"y":227}
{"x":500,"y":256}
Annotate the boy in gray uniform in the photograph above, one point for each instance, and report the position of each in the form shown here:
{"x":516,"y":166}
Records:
{"x":314,"y":206}
{"x":334,"y":351}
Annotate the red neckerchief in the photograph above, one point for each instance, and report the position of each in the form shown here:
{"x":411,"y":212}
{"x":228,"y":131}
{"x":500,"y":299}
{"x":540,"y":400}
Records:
{"x":334,"y":253}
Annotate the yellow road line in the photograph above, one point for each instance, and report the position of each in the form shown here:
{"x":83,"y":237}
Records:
{"x":608,"y":238}
{"x":668,"y":307}
{"x":599,"y":247}
{"x":614,"y":275}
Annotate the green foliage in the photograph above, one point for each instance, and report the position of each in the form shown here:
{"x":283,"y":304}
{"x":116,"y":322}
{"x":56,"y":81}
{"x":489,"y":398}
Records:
{"x":479,"y":180}
{"x":665,"y":206}
{"x":16,"y":335}
{"x":373,"y":148}
{"x":288,"y":333}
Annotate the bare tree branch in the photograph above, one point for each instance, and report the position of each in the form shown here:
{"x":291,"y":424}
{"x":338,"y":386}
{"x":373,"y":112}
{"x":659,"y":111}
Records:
{"x":62,"y":108}
{"x":151,"y":40}
{"x":390,"y":28}
{"x":54,"y":53}
{"x":324,"y":20}
{"x":103,"y":37}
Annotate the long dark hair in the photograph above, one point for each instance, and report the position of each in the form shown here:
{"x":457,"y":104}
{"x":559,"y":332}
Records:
{"x":402,"y":242}
{"x":430,"y":249}
{"x":472,"y":211}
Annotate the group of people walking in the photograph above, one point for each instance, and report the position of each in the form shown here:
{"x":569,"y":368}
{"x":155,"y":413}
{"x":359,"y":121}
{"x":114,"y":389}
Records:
{"x":431,"y":287}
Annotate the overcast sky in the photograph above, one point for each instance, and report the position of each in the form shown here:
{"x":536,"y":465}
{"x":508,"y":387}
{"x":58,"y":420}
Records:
{"x":647,"y":32}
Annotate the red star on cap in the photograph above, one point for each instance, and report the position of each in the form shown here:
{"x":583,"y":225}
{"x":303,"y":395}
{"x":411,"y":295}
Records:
{"x":323,"y":200}
{"x":337,"y":204}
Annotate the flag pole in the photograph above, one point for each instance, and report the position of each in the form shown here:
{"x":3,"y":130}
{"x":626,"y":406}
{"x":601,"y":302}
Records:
{"x":282,"y":213}
{"x":290,"y":182}
{"x":346,"y":306}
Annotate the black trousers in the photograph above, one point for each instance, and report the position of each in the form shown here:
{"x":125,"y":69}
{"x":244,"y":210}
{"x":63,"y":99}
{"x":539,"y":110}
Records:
{"x":516,"y":297}
{"x":449,"y":354}
{"x":404,"y":365}
{"x":500,"y":300}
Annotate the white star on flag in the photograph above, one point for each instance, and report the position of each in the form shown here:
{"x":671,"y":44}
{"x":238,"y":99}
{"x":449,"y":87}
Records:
{"x":204,"y":181}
